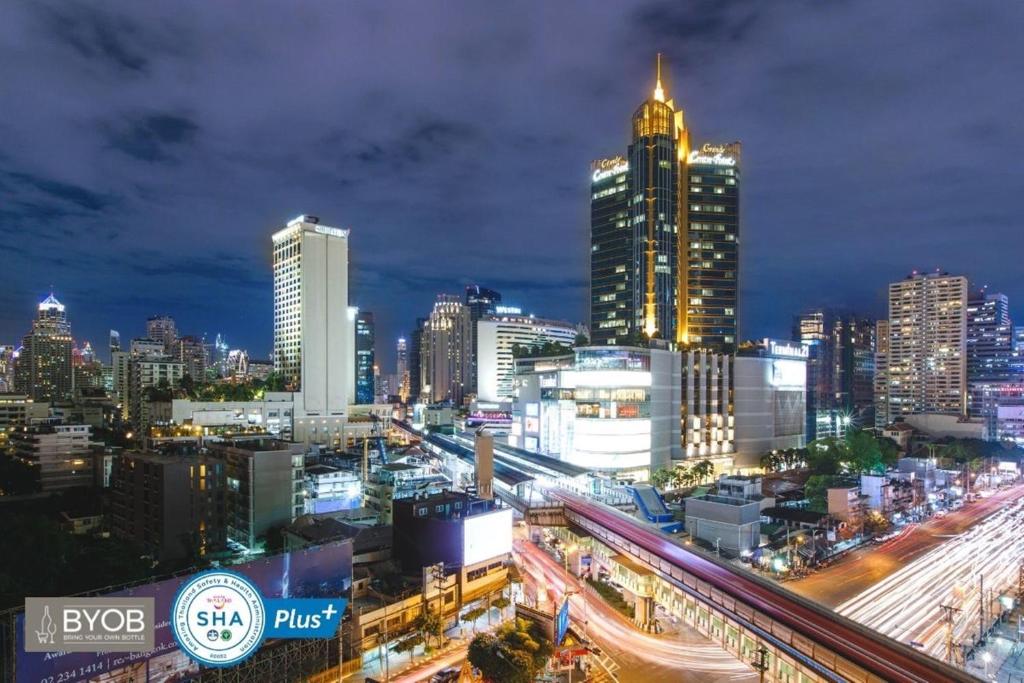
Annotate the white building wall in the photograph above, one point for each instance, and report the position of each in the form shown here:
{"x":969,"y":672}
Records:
{"x":496,"y":336}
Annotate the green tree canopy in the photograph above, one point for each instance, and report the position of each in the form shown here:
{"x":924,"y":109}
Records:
{"x":515,"y":653}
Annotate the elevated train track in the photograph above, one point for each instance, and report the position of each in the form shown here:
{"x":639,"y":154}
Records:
{"x":834,"y":647}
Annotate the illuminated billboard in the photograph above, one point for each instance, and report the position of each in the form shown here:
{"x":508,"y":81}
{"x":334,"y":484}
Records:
{"x":316,"y":572}
{"x":486,"y":536}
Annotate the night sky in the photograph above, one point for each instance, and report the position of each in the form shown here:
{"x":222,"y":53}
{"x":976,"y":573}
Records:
{"x":148,"y":150}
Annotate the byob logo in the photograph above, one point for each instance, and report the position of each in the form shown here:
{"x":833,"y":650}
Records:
{"x":218,"y":618}
{"x":101,"y":624}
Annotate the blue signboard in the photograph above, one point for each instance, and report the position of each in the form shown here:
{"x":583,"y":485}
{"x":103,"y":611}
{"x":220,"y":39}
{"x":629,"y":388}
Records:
{"x":318,"y":572}
{"x":562,"y":622}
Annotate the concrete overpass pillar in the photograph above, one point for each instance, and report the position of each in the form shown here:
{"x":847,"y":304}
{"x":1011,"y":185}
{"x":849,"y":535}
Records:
{"x":643,"y":615}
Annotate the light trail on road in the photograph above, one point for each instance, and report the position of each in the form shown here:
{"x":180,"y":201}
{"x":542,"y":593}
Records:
{"x":907,"y":604}
{"x":613,"y":632}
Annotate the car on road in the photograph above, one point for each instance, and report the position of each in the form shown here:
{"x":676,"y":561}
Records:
{"x":446,"y":675}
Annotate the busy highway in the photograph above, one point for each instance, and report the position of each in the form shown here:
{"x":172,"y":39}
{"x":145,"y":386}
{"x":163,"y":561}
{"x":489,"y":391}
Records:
{"x":908,"y":604}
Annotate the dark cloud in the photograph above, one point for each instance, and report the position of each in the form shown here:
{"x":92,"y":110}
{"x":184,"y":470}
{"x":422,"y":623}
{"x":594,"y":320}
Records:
{"x":152,"y":137}
{"x":59,"y":192}
{"x":93,"y":34}
{"x":148,"y":150}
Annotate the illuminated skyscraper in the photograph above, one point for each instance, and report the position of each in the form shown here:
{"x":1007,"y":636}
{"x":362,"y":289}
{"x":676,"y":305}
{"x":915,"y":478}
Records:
{"x":402,"y":368}
{"x":664,"y":248}
{"x":711,"y":277}
{"x":446,"y":347}
{"x":612,"y":313}
{"x":313,"y":326}
{"x":365,"y":378}
{"x":163,"y":329}
{"x":660,"y":142}
{"x":989,"y":345}
{"x":44,"y":370}
{"x":926,"y":369}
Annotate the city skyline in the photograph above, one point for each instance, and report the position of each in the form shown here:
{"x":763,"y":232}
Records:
{"x":831,"y":148}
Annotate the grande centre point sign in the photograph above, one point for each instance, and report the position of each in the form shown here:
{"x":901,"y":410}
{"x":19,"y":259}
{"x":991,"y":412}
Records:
{"x":605,"y":168}
{"x":715,"y":155}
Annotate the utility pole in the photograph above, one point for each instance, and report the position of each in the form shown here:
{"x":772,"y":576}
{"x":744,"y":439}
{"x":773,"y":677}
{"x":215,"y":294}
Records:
{"x":761,"y":663}
{"x":981,"y":609}
{"x":948,"y":612}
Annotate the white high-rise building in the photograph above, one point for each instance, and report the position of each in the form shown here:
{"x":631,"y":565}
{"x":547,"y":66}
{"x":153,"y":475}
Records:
{"x":927,"y":360}
{"x":314,"y":326}
{"x":496,"y":337}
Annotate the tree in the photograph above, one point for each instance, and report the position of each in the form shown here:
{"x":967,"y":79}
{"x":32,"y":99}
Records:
{"x":683,"y":477}
{"x":816,"y":491}
{"x":471,"y":615}
{"x":408,"y":644}
{"x":662,"y":478}
{"x":703,"y":470}
{"x":515,"y":653}
{"x":581,"y":339}
{"x":430,"y":624}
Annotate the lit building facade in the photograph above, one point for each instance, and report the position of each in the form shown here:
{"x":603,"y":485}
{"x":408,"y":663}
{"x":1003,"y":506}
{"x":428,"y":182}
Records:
{"x":619,"y":407}
{"x":365,"y":358}
{"x":840,"y":371}
{"x":612,"y":310}
{"x":926,"y":368}
{"x":710,"y":308}
{"x":481,"y":302}
{"x":163,"y":329}
{"x":769,"y":399}
{"x":59,"y":454}
{"x":990,"y":345}
{"x":402,"y":368}
{"x":665,"y":233}
{"x":708,"y":424}
{"x":497,"y":336}
{"x":314,"y":327}
{"x":44,"y":367}
{"x":446,"y":347}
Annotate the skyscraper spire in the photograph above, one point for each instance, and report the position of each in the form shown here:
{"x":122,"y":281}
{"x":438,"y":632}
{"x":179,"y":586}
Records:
{"x":659,"y":92}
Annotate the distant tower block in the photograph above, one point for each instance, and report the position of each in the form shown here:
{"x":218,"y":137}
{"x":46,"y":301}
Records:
{"x":484,"y":464}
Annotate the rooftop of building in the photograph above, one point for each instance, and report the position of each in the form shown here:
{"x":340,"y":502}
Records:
{"x":726,"y":500}
{"x":798,"y":515}
{"x":256,"y":444}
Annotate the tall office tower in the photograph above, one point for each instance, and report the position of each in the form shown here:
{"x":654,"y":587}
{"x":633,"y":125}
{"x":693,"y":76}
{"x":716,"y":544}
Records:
{"x":313,"y":328}
{"x":163,"y":329}
{"x":481,"y":302}
{"x":665,"y":235}
{"x":612,"y":311}
{"x":813,"y":328}
{"x":1017,"y":357}
{"x":855,"y":345}
{"x":8,"y":359}
{"x":990,"y":345}
{"x":840,"y":371}
{"x":881,"y":383}
{"x":88,"y":355}
{"x":660,"y":142}
{"x":710,"y":305}
{"x":448,"y":339}
{"x":191,"y":351}
{"x":365,"y":378}
{"x":115,"y":341}
{"x":44,"y":369}
{"x":416,"y":361}
{"x":927,"y":368}
{"x":402,"y":368}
